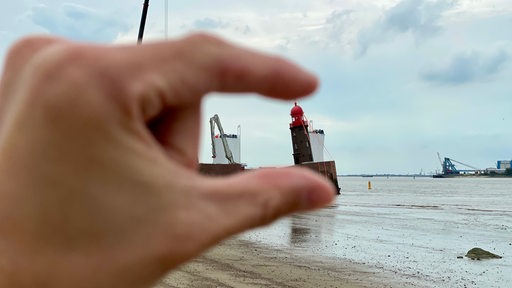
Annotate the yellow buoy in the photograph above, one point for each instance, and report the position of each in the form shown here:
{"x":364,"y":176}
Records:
{"x":369,"y":185}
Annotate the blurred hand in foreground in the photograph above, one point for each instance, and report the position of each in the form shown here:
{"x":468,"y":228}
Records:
{"x":98,"y":159}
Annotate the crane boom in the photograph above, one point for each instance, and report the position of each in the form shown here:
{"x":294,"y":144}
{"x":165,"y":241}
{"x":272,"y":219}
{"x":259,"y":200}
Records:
{"x":464,"y":164}
{"x":215,"y":120}
{"x":439,"y":157}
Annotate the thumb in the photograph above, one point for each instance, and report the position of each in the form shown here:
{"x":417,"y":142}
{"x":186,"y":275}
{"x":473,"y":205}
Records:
{"x":256,"y":198}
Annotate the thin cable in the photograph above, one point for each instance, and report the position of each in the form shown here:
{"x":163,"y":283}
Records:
{"x":166,"y":19}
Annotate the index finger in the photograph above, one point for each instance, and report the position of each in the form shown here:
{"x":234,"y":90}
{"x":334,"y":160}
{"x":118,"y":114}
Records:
{"x":181,"y":72}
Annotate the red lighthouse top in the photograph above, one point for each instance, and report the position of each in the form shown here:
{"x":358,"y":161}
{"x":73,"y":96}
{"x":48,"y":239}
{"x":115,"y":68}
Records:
{"x":298,"y":118}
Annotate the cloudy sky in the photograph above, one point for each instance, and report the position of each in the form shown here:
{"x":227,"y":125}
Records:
{"x":400,"y":79}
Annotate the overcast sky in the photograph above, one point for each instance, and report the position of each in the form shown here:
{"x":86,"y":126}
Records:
{"x":400,"y":79}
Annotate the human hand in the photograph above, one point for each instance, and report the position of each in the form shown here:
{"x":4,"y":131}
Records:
{"x":95,"y":190}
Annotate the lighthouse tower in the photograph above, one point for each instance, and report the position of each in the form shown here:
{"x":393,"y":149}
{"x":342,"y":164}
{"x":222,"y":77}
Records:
{"x":308,"y":147}
{"x":308,"y":143}
{"x":301,"y":143}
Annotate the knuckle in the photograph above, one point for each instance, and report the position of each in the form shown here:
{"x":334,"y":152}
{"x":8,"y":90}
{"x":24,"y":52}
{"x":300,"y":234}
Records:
{"x":28,"y":46}
{"x":60,"y":77}
{"x":67,"y":66}
{"x":63,"y":62}
{"x":52,"y":73}
{"x":204,"y":40}
{"x":204,"y":49}
{"x":215,"y":56}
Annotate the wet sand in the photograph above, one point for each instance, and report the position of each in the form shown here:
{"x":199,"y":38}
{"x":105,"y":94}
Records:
{"x":241,"y":263}
{"x":405,"y":232}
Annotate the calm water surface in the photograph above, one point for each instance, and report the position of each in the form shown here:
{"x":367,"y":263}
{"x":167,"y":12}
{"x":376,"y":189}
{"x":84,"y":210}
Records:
{"x":415,"y":228}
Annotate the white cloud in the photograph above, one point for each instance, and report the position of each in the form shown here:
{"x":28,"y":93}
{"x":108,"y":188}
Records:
{"x":78,"y":22}
{"x":419,"y":18}
{"x":466,"y":67}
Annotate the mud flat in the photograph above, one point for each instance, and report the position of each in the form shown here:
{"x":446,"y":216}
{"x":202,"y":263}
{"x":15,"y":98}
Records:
{"x":241,"y":263}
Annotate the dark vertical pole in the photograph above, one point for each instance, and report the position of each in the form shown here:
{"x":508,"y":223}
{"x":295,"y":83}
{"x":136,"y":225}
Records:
{"x":143,"y":21}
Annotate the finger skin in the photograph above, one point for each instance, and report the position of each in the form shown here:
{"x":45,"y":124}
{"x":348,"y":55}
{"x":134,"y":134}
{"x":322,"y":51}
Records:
{"x":208,"y":64}
{"x":98,"y":149}
{"x":232,"y":204}
{"x":263,"y":195}
{"x":18,"y":57}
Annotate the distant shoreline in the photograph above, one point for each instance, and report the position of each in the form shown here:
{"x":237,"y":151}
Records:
{"x":385,"y":175}
{"x":500,"y":176}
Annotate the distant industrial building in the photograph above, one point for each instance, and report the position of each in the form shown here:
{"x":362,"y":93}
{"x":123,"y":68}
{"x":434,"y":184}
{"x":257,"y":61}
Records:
{"x":501,"y":167}
{"x":503,"y":164}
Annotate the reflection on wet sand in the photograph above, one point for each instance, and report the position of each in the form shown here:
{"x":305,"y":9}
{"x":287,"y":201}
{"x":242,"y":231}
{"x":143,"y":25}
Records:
{"x":308,"y":230}
{"x":301,"y":233}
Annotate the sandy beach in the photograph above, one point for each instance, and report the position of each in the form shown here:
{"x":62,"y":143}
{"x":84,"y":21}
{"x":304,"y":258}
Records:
{"x":405,"y":232}
{"x":241,"y":263}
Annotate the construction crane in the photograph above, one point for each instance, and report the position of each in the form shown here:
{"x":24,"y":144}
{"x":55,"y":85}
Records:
{"x":215,"y":120}
{"x":449,"y":167}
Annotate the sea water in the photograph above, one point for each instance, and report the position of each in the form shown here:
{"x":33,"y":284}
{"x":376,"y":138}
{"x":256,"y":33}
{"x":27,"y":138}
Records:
{"x":414,"y":228}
